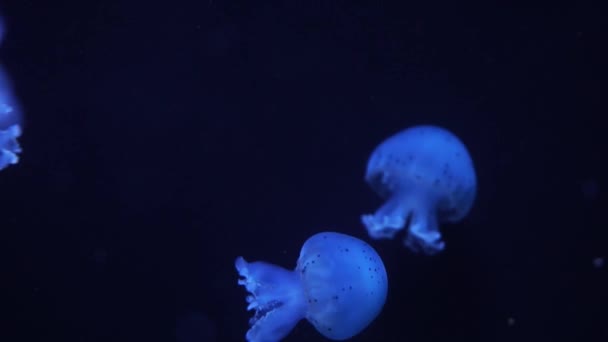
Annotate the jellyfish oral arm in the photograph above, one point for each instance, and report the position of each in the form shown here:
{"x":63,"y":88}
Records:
{"x":423,"y":234}
{"x":412,"y":209}
{"x":10,"y":130}
{"x":388,"y":220}
{"x":276,"y":295}
{"x":9,"y":146}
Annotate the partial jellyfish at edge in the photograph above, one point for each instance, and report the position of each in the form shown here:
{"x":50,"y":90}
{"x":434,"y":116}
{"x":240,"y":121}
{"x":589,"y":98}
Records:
{"x":426,"y":176}
{"x":10,"y":118}
{"x":339,"y":285}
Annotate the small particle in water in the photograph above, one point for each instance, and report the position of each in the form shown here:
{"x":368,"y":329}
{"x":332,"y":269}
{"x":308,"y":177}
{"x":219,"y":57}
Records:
{"x":590,"y":189}
{"x":100,"y":256}
{"x":598,"y":262}
{"x":510,"y":321}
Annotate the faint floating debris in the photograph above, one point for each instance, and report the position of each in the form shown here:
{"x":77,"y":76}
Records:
{"x":510,"y":321}
{"x":599,"y":262}
{"x":195,"y":327}
{"x":100,"y":256}
{"x":222,"y":40}
{"x":590,"y":189}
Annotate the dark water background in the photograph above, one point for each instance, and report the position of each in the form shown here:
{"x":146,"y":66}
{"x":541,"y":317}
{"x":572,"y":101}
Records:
{"x":164,"y":139}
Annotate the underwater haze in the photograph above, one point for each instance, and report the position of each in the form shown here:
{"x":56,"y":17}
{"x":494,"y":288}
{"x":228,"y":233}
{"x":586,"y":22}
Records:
{"x":210,"y":171}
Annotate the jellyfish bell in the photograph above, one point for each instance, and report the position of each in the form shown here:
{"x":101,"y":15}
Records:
{"x":426,"y":176}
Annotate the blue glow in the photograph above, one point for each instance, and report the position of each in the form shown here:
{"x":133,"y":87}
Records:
{"x":426,"y":176}
{"x":339,"y":285}
{"x":10,"y":118}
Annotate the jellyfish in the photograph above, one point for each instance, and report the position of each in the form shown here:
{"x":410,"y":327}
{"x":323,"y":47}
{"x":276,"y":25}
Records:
{"x":339,"y":285}
{"x":10,"y":119}
{"x":426,"y":176}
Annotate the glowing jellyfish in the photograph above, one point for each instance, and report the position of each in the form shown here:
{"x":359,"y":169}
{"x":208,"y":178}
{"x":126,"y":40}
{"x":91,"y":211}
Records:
{"x":339,"y":285}
{"x":426,"y":176}
{"x":10,"y":119}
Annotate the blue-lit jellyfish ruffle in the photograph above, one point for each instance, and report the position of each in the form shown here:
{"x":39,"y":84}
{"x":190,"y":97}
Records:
{"x":10,"y":119}
{"x":426,"y":176}
{"x":339,"y":285}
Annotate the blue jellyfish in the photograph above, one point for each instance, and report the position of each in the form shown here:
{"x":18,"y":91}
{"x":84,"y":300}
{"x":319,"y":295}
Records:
{"x":10,"y":119}
{"x":426,"y":176}
{"x":339,"y":285}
